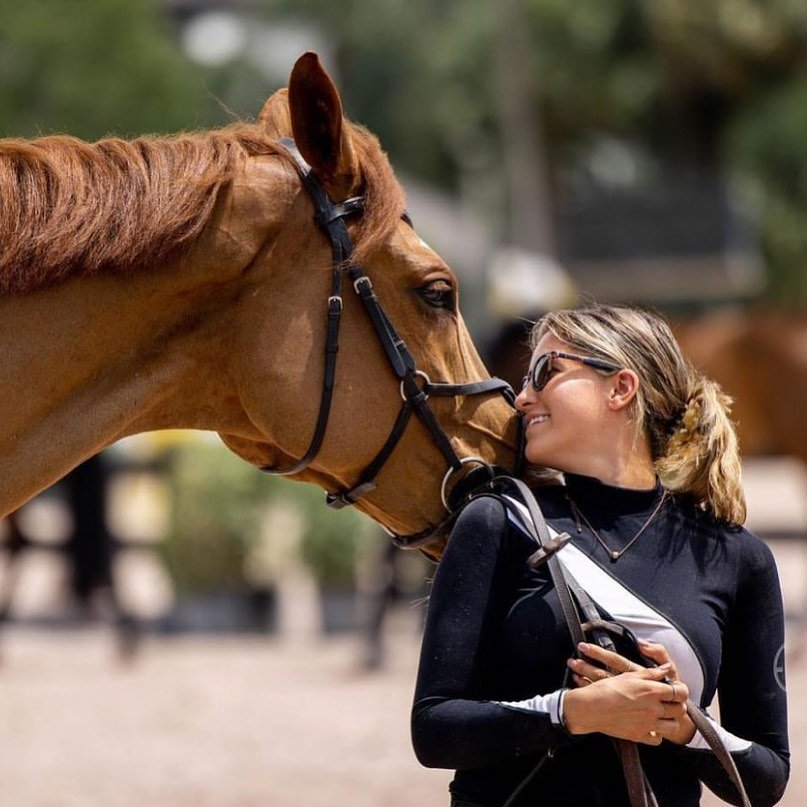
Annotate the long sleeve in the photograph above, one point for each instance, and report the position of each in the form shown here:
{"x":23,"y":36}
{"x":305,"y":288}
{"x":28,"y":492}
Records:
{"x":753,"y":707}
{"x":453,"y":724}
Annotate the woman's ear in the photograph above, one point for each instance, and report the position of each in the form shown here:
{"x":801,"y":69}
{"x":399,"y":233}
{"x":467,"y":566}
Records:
{"x":624,"y":386}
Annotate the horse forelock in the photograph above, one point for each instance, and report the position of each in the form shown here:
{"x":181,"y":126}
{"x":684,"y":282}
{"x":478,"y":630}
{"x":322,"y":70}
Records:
{"x":384,"y":200}
{"x":70,"y":208}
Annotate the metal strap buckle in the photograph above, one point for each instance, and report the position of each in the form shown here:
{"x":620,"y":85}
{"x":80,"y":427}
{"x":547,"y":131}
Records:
{"x":541,"y":555}
{"x":361,"y":279}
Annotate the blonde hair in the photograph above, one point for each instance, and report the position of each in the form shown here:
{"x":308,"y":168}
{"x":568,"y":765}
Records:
{"x":684,"y":415}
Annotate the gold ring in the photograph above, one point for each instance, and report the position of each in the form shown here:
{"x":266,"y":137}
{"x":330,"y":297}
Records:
{"x":653,"y":735}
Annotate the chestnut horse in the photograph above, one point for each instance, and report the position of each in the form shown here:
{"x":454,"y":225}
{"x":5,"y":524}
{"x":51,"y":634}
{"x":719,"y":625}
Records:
{"x":182,"y":283}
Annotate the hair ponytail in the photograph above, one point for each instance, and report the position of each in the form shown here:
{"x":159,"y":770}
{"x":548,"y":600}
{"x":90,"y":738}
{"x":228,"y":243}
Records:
{"x":702,"y":456}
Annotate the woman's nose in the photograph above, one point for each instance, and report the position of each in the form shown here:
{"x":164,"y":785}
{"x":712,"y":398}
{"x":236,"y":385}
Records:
{"x":525,"y":397}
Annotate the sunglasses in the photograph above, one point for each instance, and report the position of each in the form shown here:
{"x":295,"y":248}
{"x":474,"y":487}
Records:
{"x":538,"y":374}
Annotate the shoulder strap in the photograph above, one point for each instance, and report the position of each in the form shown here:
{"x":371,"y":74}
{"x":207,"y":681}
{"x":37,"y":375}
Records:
{"x":540,"y":534}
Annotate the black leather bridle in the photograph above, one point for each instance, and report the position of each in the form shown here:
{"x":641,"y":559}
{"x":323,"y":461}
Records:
{"x":416,"y":387}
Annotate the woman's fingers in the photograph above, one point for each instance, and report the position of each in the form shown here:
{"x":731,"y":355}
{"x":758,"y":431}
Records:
{"x":616,"y":664}
{"x":591,"y":673}
{"x":588,"y":672}
{"x":643,"y":704}
{"x":636,"y":706}
{"x":613,"y":661}
{"x":656,"y":652}
{"x":667,"y":725}
{"x":671,"y":711}
{"x":676,"y":692}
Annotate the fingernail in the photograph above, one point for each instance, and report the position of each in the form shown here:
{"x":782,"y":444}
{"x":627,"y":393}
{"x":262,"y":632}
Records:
{"x":643,"y":641}
{"x":665,"y":666}
{"x":583,"y":647}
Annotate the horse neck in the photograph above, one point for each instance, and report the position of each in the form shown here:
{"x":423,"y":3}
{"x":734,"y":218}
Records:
{"x":94,"y":359}
{"x":79,"y":362}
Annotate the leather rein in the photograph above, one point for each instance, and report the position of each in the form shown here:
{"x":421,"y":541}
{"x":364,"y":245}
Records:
{"x":415,"y":386}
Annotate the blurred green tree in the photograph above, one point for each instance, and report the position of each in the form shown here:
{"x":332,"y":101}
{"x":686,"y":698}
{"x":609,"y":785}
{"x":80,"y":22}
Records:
{"x":93,"y":67}
{"x":705,"y":86}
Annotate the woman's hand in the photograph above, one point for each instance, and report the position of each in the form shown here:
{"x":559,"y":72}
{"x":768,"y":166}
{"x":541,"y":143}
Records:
{"x":626,"y":700}
{"x":584,"y":673}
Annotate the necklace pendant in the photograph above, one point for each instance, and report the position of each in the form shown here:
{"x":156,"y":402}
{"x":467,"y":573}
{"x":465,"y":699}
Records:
{"x":614,"y":555}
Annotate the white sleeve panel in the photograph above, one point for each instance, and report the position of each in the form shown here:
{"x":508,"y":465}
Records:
{"x":731,"y":741}
{"x":551,"y":704}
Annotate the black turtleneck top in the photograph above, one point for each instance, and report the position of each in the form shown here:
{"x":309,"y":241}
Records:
{"x":493,"y":660}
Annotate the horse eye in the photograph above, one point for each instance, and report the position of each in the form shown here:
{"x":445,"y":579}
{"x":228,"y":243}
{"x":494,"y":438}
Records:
{"x":438,"y":293}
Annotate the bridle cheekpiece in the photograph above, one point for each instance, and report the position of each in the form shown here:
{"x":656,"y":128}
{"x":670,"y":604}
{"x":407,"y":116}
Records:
{"x":416,"y":387}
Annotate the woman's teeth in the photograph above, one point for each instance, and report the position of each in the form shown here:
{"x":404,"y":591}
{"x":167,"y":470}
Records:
{"x":538,"y":419}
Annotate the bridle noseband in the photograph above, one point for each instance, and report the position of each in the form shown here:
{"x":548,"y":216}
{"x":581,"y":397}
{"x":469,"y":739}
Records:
{"x":416,"y":387}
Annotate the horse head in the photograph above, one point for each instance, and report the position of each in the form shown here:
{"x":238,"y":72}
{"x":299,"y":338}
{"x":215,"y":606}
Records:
{"x":279,"y":362}
{"x":183,"y":282}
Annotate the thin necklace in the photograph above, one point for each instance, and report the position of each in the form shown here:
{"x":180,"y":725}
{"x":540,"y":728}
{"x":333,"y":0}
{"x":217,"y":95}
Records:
{"x":614,"y":554}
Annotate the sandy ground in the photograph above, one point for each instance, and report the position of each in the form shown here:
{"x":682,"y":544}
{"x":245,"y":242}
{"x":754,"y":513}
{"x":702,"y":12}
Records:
{"x":202,"y":722}
{"x":247,"y":722}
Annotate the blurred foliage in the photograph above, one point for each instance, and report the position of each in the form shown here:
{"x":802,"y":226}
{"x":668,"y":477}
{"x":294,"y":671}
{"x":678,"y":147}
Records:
{"x":217,"y":504}
{"x":92,"y":67}
{"x":219,"y":513}
{"x":333,"y":540}
{"x":706,"y":86}
{"x":768,"y":144}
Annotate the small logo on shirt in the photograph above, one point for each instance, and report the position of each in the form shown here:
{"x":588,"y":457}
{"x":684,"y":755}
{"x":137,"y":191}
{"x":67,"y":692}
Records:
{"x":779,"y":668}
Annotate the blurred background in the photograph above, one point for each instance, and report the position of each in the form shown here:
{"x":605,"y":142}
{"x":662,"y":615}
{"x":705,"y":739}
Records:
{"x":177,"y":628}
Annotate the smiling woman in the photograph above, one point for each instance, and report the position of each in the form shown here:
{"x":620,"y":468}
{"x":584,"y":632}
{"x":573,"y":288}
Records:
{"x":651,"y":498}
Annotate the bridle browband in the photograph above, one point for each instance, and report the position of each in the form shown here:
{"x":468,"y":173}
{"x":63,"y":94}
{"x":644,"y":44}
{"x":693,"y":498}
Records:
{"x":415,"y":385}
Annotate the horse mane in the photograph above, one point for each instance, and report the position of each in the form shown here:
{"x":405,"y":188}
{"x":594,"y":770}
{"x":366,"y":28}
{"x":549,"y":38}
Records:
{"x":73,"y":209}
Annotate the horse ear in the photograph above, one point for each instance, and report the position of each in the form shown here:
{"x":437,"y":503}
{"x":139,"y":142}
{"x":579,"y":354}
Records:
{"x":275,"y":118}
{"x":318,"y":125}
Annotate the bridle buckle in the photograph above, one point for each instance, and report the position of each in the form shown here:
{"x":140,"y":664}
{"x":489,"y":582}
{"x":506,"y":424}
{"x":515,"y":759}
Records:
{"x":362,"y":279}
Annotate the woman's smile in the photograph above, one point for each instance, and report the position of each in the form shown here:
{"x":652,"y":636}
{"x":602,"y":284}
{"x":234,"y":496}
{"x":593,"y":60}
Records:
{"x":536,"y":420}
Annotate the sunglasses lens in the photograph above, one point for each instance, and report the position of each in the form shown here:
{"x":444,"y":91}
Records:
{"x":540,"y":372}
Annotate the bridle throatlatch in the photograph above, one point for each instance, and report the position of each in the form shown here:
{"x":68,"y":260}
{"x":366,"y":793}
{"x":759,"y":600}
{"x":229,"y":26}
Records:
{"x":415,"y":386}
